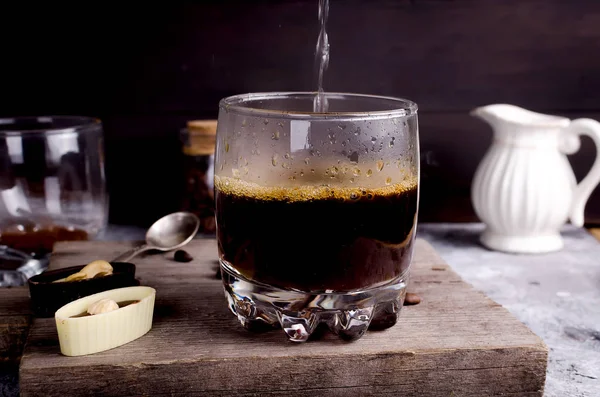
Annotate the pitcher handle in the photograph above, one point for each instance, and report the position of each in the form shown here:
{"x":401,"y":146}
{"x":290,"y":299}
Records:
{"x":584,"y":189}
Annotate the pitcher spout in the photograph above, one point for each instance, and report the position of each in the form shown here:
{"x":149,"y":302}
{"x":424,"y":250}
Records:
{"x":492,"y":114}
{"x":502,"y":113}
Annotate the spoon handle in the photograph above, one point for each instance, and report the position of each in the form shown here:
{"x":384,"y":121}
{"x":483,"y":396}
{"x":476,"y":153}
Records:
{"x":126,"y":256}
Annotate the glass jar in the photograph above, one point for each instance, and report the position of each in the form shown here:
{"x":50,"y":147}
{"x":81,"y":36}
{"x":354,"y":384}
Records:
{"x":198,"y":149}
{"x":52,"y":184}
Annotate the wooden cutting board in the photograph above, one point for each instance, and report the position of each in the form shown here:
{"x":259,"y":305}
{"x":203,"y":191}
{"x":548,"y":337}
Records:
{"x":14,"y":324}
{"x":456,"y":342}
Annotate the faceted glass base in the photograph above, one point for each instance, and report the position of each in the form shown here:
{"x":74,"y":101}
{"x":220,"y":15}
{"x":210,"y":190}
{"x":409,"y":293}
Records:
{"x":261,"y":307}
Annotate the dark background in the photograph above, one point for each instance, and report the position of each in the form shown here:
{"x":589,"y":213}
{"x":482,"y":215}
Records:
{"x":146,"y":69}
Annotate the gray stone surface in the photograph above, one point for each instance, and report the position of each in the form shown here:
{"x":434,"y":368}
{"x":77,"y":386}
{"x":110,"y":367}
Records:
{"x":557,"y":295}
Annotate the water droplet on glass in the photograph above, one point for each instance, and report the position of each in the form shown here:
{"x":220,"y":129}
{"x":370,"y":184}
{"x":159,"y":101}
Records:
{"x":312,"y":170}
{"x":235,"y":172}
{"x":369,"y":172}
{"x":379,"y":165}
{"x":275,"y":135}
{"x":307,"y":161}
{"x":392,"y":142}
{"x":356,"y":171}
{"x":280,"y":124}
{"x":226,"y":147}
{"x":266,"y":121}
{"x":301,"y":173}
{"x":342,"y":126}
{"x":373,"y":139}
{"x":243,"y":123}
{"x":274,"y":159}
{"x":357,"y":132}
{"x":388,"y":180}
{"x":287,"y":156}
{"x":221,"y":167}
{"x":352,"y":181}
{"x":343,"y":143}
{"x":292,"y":178}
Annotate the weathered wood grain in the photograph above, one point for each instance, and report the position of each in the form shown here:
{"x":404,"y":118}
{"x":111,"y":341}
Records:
{"x":455,"y":341}
{"x":15,"y":319}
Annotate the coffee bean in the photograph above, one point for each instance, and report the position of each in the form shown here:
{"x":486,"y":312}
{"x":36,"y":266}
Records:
{"x":182,"y":256}
{"x":411,"y":299}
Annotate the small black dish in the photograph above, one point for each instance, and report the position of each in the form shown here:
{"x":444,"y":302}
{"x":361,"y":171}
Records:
{"x":47,"y":297}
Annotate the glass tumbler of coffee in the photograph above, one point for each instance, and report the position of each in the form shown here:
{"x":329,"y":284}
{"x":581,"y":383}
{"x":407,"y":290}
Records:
{"x":316,"y":211}
{"x":52,"y":185}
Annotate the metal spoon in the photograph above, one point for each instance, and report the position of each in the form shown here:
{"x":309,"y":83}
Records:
{"x":168,"y":233}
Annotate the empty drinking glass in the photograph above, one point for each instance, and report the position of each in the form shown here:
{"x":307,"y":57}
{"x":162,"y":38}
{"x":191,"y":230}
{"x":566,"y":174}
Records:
{"x":52,"y":185}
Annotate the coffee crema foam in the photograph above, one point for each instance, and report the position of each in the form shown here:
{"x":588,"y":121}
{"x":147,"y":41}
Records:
{"x":241,"y":188}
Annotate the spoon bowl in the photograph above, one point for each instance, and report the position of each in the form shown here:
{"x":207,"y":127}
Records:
{"x":173,"y":231}
{"x":168,"y":233}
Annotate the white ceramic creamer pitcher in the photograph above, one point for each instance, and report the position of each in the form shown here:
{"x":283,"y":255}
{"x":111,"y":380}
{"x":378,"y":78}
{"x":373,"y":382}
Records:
{"x":524,"y":189}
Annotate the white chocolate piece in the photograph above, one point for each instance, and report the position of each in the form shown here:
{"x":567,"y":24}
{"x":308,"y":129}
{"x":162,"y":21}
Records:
{"x":81,"y":335}
{"x":91,"y":270}
{"x":102,"y":306}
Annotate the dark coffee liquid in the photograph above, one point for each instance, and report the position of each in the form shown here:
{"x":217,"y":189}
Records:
{"x":316,"y":238}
